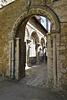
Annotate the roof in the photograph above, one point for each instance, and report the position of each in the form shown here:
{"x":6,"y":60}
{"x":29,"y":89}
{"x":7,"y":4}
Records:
{"x":40,"y":24}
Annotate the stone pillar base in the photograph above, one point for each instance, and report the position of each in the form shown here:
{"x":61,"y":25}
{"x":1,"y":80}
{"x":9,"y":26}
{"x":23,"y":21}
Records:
{"x":29,"y":64}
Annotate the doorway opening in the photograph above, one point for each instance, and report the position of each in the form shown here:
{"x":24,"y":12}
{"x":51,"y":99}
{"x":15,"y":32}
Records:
{"x":36,"y":51}
{"x":31,"y":54}
{"x":19,"y":47}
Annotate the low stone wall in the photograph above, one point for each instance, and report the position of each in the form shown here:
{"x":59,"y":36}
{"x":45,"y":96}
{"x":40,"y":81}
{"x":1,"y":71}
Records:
{"x":32,"y":60}
{"x":41,"y":59}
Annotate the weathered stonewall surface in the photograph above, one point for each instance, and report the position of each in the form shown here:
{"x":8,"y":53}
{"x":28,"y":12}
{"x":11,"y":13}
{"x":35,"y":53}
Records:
{"x":13,"y":14}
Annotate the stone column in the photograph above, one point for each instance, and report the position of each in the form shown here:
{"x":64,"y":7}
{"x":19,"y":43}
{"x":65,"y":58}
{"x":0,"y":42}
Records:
{"x":59,"y":65}
{"x":10,"y":46}
{"x":17,"y":59}
{"x":36,"y":53}
{"x":37,"y":57}
{"x":54,"y":61}
{"x":28,"y":55}
{"x":28,"y":47}
{"x":12,"y":58}
{"x":43,"y":49}
{"x":43,"y":53}
{"x":9,"y":58}
{"x":49,"y":59}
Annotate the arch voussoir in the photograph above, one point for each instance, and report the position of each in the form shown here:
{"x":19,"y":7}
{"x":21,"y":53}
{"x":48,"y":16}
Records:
{"x":43,"y":11}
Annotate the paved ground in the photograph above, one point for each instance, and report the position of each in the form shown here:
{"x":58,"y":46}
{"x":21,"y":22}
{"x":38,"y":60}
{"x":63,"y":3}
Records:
{"x":29,"y":88}
{"x":36,"y":75}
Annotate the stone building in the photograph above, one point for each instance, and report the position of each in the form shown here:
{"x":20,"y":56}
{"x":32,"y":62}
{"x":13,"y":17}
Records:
{"x":13,"y":20}
{"x":35,"y":35}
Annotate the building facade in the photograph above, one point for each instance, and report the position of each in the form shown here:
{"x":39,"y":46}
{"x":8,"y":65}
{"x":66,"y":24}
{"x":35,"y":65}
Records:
{"x":35,"y":38}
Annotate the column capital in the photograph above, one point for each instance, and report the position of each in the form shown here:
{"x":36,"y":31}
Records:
{"x":28,"y":41}
{"x":44,"y":46}
{"x":11,"y":39}
{"x":48,"y":36}
{"x":17,"y":38}
{"x":38,"y":44}
{"x":54,"y":33}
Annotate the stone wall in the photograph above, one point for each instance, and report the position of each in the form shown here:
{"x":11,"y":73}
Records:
{"x":9,"y":15}
{"x":59,"y":7}
{"x":32,"y":60}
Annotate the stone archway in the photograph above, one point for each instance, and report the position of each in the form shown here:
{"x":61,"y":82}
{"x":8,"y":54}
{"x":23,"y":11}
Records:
{"x":18,"y":33}
{"x":36,"y":37}
{"x":37,"y":10}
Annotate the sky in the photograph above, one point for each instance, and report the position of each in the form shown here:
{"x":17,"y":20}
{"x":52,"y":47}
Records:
{"x":44,"y":23}
{"x":44,"y":19}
